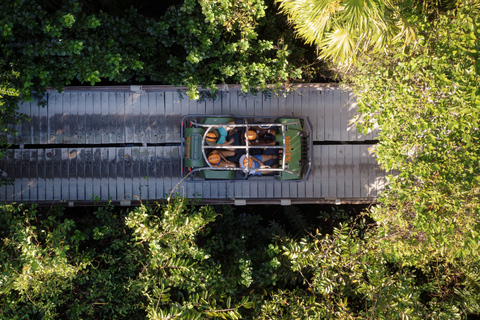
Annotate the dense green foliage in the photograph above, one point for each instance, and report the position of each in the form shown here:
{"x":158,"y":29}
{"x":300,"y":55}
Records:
{"x":343,"y":30}
{"x":426,"y":101}
{"x":186,"y":262}
{"x":198,"y":43}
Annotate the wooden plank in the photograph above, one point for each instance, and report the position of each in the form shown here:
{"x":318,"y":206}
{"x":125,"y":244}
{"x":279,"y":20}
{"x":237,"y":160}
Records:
{"x":81,"y":118}
{"x":128,"y":118}
{"x":64,"y":174}
{"x":176,"y":172}
{"x":340,"y":165}
{"x":160,"y":118}
{"x":117,"y":190}
{"x":275,"y":104}
{"x":73,"y":173}
{"x":128,"y":173}
{"x":225,"y":100}
{"x":169,"y":111}
{"x":262,"y":186}
{"x":209,"y":108}
{"x":98,"y":190}
{"x":328,"y":124}
{"x":167,"y":170}
{"x":35,"y":122}
{"x":242,"y":104}
{"x":352,"y":111}
{"x":348,"y":154}
{"x":72,"y":117}
{"x":336,"y":112}
{"x":89,"y":121}
{"x":109,"y":167}
{"x":372,"y":174}
{"x":105,"y":110}
{"x":66,"y":119}
{"x":277,"y":192}
{"x":297,"y":103}
{"x":41,"y":182}
{"x":26,"y":185}
{"x":81,"y":187}
{"x":138,"y":125}
{"x":285,"y":190}
{"x":89,"y":181}
{"x":257,"y":104}
{"x":325,"y":172}
{"x":136,"y":190}
{"x":343,"y":114}
{"x":143,"y":176}
{"x":364,"y":171}
{"x":55,"y":118}
{"x":97,"y":118}
{"x":102,"y":163}
{"x":117,"y":117}
{"x":18,"y":175}
{"x":270,"y":189}
{"x":217,"y":104}
{"x":310,"y":106}
{"x":229,"y":189}
{"x":332,"y":173}
{"x":287,"y":106}
{"x":26,"y":137}
{"x":152,"y":170}
{"x":43,"y":125}
{"x":356,"y":173}
{"x":174,"y":121}
{"x":108,"y":128}
{"x":250,"y":104}
{"x":214,"y":187}
{"x":159,"y":183}
{"x":49,"y":175}
{"x":266,"y":105}
{"x":148,"y":106}
{"x":316,"y":176}
{"x":233,"y":102}
{"x":200,"y":106}
{"x":301,"y":189}
{"x":22,"y":131}
{"x":10,"y":170}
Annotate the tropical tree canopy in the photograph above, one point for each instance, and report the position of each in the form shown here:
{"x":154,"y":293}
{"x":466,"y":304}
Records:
{"x":342,"y":29}
{"x":178,"y":261}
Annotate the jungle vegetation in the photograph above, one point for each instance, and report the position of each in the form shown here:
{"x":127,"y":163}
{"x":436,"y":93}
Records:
{"x":415,"y":67}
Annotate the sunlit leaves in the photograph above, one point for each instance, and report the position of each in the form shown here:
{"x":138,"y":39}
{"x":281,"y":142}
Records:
{"x":425,"y":102}
{"x":343,"y":30}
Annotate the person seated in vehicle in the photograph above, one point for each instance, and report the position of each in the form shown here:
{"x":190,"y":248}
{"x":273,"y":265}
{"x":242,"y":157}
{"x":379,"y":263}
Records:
{"x":257,"y":162}
{"x":218,"y":137}
{"x":261,"y":137}
{"x":217,"y":159}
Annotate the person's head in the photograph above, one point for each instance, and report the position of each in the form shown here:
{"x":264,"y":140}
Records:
{"x":251,"y":135}
{"x":268,"y":137}
{"x":214,"y":158}
{"x":249,"y":160}
{"x":212,"y":137}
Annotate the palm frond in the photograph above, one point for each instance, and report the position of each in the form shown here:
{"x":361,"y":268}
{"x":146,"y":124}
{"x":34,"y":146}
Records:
{"x":297,"y":220}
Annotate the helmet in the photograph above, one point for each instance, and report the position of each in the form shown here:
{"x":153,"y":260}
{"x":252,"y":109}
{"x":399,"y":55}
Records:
{"x":212,"y":136}
{"x":252,"y":135}
{"x":250,"y":162}
{"x":214,"y":158}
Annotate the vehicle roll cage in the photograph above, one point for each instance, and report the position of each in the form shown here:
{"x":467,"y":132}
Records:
{"x":245,"y":126}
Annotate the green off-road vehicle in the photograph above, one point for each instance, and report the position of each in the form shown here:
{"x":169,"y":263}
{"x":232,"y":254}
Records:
{"x":223,"y":147}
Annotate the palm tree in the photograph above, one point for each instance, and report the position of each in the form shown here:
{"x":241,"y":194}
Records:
{"x":343,"y":29}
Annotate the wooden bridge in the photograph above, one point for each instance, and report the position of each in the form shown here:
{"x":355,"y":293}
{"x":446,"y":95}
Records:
{"x":122,"y":143}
